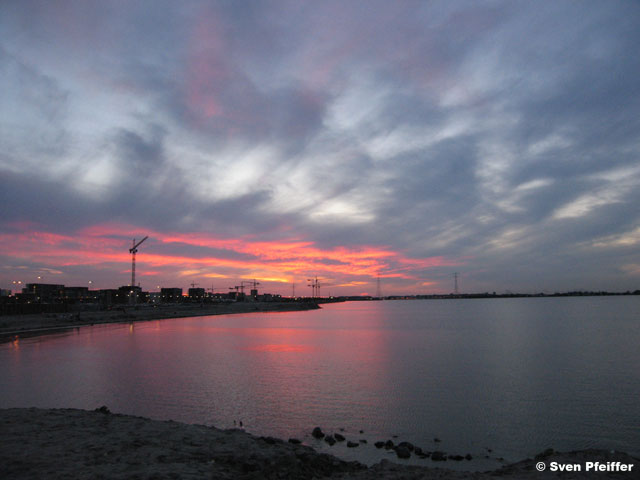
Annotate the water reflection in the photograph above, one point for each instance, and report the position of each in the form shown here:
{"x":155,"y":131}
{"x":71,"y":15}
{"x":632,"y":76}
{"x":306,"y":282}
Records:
{"x":516,"y":376}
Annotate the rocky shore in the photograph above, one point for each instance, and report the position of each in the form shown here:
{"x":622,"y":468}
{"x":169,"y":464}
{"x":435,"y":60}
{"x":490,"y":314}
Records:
{"x":79,"y":444}
{"x":44,"y":323}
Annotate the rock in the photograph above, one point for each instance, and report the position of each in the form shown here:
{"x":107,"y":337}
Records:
{"x":418,"y":450}
{"x":295,"y":441}
{"x":361,"y":431}
{"x":388,"y":444}
{"x":363,"y":440}
{"x":103,"y":409}
{"x":330,"y":440}
{"x":379,"y":444}
{"x":317,"y":433}
{"x":548,"y":452}
{"x":408,"y":445}
{"x":438,"y":456}
{"x":351,"y":444}
{"x":271,"y":440}
{"x":402,"y":452}
{"x":468,"y":456}
{"x":339,"y":437}
{"x":437,"y":440}
{"x":457,"y":458}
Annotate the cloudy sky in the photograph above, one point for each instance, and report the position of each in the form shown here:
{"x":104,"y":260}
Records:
{"x":347,"y":140}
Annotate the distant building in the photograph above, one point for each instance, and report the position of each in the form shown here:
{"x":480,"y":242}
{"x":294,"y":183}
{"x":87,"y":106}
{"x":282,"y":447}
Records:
{"x":155,"y":297}
{"x":129,"y":294}
{"x":107,"y":296}
{"x":171,"y":295}
{"x":196,"y":294}
{"x":28,"y":297}
{"x":44,"y":292}
{"x":76,"y":294}
{"x":237,"y":296}
{"x":268,"y":297}
{"x":5,"y":293}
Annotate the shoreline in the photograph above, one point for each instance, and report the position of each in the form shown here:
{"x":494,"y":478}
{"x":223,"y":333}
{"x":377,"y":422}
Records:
{"x":13,"y":327}
{"x":71,"y":443}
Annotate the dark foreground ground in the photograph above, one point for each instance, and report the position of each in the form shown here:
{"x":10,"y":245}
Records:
{"x":12,"y":326}
{"x":78,"y":444}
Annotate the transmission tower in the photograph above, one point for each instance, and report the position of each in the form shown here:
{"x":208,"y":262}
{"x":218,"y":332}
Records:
{"x":455,"y":283}
{"x":315,"y":286}
{"x":378,"y":289}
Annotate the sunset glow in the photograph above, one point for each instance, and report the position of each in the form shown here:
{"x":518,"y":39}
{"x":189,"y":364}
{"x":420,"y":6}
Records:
{"x":163,"y":257}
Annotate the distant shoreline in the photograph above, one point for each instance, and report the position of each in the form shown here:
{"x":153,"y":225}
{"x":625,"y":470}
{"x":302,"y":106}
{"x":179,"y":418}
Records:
{"x":71,"y":443}
{"x":21,"y":326}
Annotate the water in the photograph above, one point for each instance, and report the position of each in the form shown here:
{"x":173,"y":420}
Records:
{"x":513,"y":375}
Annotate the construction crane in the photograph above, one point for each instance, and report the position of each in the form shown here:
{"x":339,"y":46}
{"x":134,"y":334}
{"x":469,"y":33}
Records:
{"x":133,"y":250}
{"x":251,"y":283}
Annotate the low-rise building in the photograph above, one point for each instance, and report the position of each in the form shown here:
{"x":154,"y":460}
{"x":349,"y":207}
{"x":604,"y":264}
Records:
{"x":196,"y":294}
{"x":45,"y":292}
{"x":171,"y":295}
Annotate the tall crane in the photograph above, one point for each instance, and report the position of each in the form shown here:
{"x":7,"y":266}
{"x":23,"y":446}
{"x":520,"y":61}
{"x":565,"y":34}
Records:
{"x":252,"y":283}
{"x":133,"y":250}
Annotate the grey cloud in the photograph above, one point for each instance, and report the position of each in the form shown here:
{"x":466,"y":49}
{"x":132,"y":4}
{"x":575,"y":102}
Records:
{"x":207,"y":76}
{"x":34,"y":108}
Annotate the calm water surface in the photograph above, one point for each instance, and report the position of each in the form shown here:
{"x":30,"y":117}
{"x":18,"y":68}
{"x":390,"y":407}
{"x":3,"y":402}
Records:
{"x":513,"y":375}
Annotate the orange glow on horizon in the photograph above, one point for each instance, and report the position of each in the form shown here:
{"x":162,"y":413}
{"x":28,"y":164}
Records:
{"x":282,"y":261}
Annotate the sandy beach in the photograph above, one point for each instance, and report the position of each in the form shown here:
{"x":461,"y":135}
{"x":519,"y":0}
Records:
{"x":78,"y":444}
{"x":44,"y":323}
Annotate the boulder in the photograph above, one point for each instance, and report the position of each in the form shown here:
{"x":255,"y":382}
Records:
{"x":379,"y":444}
{"x":339,"y":437}
{"x":295,"y":441}
{"x":317,"y":433}
{"x":548,"y":452}
{"x":271,"y":440}
{"x":438,"y":456}
{"x":402,"y":452}
{"x":407,"y":445}
{"x":330,"y":440}
{"x":388,"y":444}
{"x":351,"y":444}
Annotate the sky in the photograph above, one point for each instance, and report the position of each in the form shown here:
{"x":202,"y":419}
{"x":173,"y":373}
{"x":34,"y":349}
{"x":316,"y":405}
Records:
{"x":345,"y":140}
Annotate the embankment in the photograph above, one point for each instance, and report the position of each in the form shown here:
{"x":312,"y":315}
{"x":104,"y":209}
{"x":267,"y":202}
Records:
{"x":44,"y":323}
